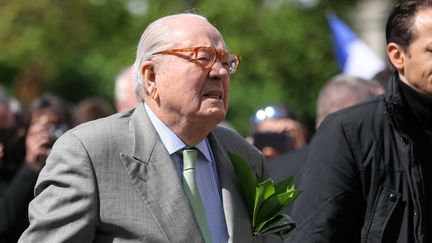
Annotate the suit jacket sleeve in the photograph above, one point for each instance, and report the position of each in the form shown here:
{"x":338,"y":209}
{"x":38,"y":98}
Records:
{"x":64,"y":209}
{"x":329,"y":209}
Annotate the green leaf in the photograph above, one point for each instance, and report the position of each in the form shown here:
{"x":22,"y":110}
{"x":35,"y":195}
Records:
{"x":278,"y":227}
{"x":246,"y":179}
{"x":265,"y":200}
{"x":285,"y":185}
{"x":274,"y":205}
{"x":263,"y":191}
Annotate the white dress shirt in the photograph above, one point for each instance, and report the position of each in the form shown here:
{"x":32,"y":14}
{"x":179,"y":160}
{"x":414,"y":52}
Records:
{"x":206,"y":176}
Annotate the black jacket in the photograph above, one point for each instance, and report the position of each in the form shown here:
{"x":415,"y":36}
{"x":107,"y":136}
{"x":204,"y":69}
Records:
{"x":361,"y":182}
{"x":15,"y":195}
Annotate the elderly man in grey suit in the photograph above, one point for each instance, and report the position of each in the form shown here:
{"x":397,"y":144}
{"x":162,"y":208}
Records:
{"x":120,"y":179}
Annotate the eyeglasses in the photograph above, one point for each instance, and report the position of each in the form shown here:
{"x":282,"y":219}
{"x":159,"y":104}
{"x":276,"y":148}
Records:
{"x":206,"y":57}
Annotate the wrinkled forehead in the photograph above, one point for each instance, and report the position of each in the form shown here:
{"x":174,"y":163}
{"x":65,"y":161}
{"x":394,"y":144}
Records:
{"x":192,"y":31}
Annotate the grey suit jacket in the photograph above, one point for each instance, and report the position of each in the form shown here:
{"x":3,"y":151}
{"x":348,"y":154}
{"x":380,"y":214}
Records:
{"x":112,"y":180}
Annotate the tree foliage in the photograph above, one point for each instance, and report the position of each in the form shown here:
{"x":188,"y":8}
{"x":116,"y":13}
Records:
{"x":75,"y":48}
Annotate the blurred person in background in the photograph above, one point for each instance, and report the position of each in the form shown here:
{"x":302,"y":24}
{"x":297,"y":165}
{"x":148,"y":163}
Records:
{"x":126,"y":95}
{"x":276,"y":130}
{"x":6,"y":115}
{"x":11,"y":137}
{"x":16,"y":186}
{"x":92,"y":108}
{"x":367,"y":173}
{"x":342,"y":91}
{"x":339,"y":92}
{"x":7,"y":128}
{"x":49,"y":117}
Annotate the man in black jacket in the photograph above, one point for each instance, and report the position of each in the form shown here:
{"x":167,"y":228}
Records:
{"x":366,"y":177}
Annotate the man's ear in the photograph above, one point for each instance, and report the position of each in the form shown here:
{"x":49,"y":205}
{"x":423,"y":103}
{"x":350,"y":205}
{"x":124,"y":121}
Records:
{"x":397,"y":56}
{"x":149,"y":78}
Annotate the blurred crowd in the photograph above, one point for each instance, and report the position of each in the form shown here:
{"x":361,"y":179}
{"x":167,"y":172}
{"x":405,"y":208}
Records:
{"x":363,"y":165}
{"x":278,"y":132}
{"x":27,"y":134}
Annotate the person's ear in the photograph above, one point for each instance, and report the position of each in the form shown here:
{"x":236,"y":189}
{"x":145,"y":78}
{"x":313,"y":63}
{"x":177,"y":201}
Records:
{"x":397,"y":56}
{"x":149,"y":79}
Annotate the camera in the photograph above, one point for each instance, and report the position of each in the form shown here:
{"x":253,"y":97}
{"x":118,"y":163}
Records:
{"x":280,"y":141}
{"x":56,"y":131}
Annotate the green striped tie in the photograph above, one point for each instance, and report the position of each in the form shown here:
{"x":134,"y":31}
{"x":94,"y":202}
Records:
{"x":191,"y":189}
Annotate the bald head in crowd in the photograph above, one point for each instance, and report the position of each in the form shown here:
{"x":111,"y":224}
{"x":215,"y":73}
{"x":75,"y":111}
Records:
{"x":342,"y":91}
{"x":126,"y":96}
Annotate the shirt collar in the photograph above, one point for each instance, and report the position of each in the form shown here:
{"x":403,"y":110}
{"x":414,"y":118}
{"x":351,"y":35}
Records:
{"x":171,"y":141}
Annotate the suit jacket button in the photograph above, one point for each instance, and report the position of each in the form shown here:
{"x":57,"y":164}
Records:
{"x":392,"y":197}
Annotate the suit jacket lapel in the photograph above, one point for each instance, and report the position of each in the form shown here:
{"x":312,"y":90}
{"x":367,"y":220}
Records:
{"x":153,"y":174}
{"x":236,"y":214}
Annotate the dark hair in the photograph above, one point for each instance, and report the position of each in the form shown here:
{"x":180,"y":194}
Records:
{"x":92,"y":108}
{"x":55,"y":104}
{"x":399,"y":28}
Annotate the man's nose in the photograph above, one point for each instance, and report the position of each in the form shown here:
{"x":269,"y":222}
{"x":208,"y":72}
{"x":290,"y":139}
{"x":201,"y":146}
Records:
{"x":218,"y":71}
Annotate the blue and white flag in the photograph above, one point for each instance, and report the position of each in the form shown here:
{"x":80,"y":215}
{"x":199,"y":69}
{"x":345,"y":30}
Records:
{"x":353,"y":55}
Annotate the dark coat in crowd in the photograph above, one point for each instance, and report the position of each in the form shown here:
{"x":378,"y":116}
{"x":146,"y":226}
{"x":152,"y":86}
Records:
{"x":283,"y":166}
{"x":16,"y":192}
{"x":362,"y":181}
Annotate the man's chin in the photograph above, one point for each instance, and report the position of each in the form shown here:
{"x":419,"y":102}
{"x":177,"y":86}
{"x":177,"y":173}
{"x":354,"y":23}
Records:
{"x":215,"y":114}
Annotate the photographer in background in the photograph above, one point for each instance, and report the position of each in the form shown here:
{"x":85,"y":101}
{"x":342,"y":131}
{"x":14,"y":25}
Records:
{"x":11,"y":156}
{"x":276,"y":130}
{"x":49,"y":118}
{"x":12,"y":132}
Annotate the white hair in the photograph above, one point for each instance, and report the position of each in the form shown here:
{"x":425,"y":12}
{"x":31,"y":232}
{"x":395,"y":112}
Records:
{"x":120,"y":85}
{"x":156,"y":37}
{"x":342,"y":91}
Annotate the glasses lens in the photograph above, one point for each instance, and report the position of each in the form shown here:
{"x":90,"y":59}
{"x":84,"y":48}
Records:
{"x":230,"y":61}
{"x":233,"y":63}
{"x":205,"y":57}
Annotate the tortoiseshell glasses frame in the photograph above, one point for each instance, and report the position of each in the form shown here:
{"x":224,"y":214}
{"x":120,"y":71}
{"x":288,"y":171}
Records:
{"x":207,"y":56}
